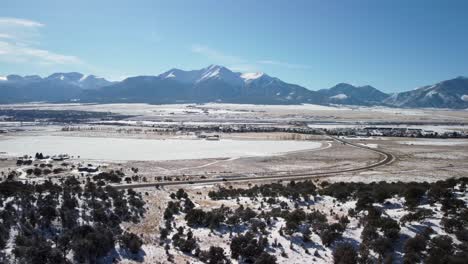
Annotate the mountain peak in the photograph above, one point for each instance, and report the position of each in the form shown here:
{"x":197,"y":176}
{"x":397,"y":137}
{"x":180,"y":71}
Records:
{"x":445,"y":94}
{"x":66,"y":76}
{"x":14,"y":77}
{"x":32,"y":77}
{"x":343,"y":86}
{"x":220,"y":73}
{"x":367,"y":87}
{"x":345,"y":93}
{"x":214,"y":67}
{"x":92,"y":82}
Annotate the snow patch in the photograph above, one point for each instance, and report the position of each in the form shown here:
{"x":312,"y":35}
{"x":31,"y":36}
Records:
{"x":251,"y":75}
{"x":374,"y":146}
{"x":429,"y":87}
{"x":82,"y":77}
{"x":431,"y":93}
{"x":339,"y":96}
{"x":211,"y":72}
{"x":170,"y":75}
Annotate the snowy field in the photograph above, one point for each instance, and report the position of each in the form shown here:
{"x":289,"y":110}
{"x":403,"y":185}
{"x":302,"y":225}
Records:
{"x":435,"y":128}
{"x":142,"y":108}
{"x":436,"y":142}
{"x":248,"y":113}
{"x":290,"y":248}
{"x":217,"y":108}
{"x":146,"y":149}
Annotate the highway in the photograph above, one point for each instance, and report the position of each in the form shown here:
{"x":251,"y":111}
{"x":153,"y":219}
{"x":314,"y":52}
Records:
{"x":386,"y":158}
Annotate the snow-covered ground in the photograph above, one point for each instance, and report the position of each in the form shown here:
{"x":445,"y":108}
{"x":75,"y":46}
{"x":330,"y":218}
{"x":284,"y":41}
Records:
{"x":292,"y":249}
{"x":370,"y":145}
{"x":147,"y":149}
{"x":436,"y":142}
{"x":150,"y":123}
{"x":276,"y":107}
{"x":435,"y":128}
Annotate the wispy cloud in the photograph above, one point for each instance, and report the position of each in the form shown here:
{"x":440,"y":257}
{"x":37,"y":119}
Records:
{"x":12,"y":52}
{"x":19,"y":43}
{"x":19,"y":22}
{"x":283,"y":64}
{"x":215,"y":55}
{"x":244,"y":67}
{"x":238,"y":63}
{"x":6,"y":36}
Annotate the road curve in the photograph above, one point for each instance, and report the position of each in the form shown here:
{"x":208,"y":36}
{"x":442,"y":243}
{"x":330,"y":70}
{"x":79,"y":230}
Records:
{"x":386,"y":158}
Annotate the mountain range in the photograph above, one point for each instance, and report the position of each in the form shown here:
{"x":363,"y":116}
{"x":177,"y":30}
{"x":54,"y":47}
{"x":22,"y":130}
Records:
{"x":219,"y":84}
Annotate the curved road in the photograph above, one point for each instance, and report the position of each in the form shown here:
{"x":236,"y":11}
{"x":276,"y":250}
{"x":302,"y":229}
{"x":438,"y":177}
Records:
{"x":387,"y":158}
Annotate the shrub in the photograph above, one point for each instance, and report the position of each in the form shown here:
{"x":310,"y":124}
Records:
{"x":440,"y":250}
{"x":382,"y":246}
{"x":294,"y":219}
{"x":37,"y":171}
{"x":390,"y":228}
{"x":132,"y":242}
{"x":415,"y":244}
{"x":212,"y":219}
{"x":411,"y":257}
{"x":247,"y":247}
{"x":418,"y":215}
{"x":215,"y":255}
{"x":344,"y":253}
{"x":265,"y":258}
{"x":413,"y":195}
{"x":330,"y":233}
{"x":451,"y":225}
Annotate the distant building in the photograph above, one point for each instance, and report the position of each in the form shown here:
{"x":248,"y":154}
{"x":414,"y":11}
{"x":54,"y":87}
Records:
{"x":88,"y":168}
{"x":60,"y":157}
{"x":214,"y":137}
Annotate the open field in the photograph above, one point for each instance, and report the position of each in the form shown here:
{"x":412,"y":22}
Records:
{"x":152,"y":138}
{"x":115,"y":149}
{"x":261,"y":113}
{"x":162,"y":145}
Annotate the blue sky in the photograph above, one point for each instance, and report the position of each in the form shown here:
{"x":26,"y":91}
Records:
{"x":393,"y":45}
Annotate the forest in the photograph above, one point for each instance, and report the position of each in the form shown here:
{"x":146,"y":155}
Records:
{"x":67,"y":222}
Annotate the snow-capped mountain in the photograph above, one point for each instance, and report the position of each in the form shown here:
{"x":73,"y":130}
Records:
{"x":446,"y":94}
{"x":93,"y":82}
{"x":181,"y":76}
{"x":66,"y":77}
{"x":220,"y":73}
{"x":348,"y":94}
{"x":216,"y":83}
{"x":73,"y":78}
{"x":210,"y":73}
{"x":80,"y":80}
{"x":213,"y":83}
{"x":55,"y":87}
